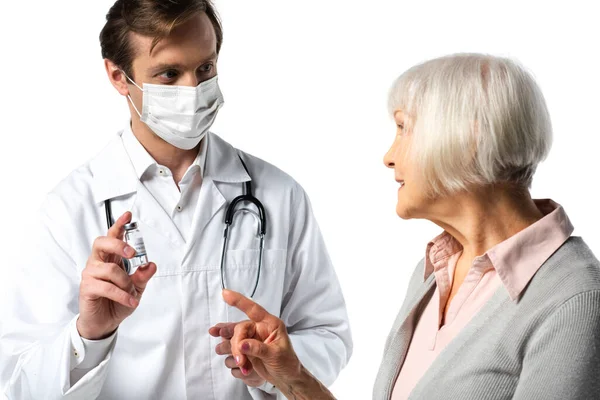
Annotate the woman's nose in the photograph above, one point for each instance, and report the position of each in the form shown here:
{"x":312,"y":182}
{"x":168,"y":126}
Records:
{"x":388,"y":158}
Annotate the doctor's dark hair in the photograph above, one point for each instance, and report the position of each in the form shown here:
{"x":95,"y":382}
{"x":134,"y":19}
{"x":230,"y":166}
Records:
{"x":152,"y":18}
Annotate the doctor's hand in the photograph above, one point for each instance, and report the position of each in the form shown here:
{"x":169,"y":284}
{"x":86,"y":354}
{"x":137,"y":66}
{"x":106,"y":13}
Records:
{"x":107,"y":294}
{"x":225,"y":332}
{"x":263,"y":345}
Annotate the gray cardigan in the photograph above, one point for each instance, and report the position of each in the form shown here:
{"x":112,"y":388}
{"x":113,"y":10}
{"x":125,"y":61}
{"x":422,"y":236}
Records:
{"x":545,"y":345}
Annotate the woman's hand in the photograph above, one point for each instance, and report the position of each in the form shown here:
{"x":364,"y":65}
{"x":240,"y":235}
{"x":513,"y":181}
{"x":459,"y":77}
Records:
{"x":262,"y":344}
{"x":225,"y":332}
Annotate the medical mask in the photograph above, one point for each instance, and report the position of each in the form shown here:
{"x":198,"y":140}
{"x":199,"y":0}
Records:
{"x":180,"y":115}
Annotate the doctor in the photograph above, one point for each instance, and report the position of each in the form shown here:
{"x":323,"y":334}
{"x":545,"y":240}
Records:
{"x":79,"y":327}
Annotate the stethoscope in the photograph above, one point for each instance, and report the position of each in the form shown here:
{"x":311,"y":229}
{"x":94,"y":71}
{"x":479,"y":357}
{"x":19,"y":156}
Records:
{"x":232,"y":209}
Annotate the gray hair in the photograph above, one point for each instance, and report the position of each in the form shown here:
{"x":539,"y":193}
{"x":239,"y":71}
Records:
{"x":476,"y":119}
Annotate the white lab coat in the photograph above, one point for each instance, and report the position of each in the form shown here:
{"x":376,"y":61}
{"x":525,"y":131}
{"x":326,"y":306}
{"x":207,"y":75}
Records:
{"x":163,"y":350}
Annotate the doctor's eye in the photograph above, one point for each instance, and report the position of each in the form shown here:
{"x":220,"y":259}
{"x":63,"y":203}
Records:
{"x":169,"y":74}
{"x":206,"y":68}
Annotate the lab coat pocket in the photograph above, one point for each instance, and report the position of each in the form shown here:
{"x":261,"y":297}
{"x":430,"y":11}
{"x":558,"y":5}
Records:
{"x":241,"y":272}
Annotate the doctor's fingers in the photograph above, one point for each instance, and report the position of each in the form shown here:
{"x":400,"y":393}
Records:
{"x":95,"y":288}
{"x":105,"y":246}
{"x":117,"y":229}
{"x":142,"y":275}
{"x":111,"y":273}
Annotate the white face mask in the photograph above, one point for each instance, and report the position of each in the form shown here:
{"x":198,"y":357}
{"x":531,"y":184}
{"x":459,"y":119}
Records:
{"x":180,"y":115}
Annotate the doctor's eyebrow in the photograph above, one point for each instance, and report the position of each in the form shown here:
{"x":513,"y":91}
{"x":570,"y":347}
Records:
{"x":167,"y":66}
{"x":164,"y":67}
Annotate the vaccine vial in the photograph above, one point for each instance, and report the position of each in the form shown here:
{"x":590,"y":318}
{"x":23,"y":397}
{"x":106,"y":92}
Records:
{"x":134,"y":238}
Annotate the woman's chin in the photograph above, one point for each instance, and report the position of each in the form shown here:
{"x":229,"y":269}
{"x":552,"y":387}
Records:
{"x":403,"y":211}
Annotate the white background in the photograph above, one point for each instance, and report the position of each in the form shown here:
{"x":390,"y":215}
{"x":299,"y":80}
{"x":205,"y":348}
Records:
{"x":305,"y":85}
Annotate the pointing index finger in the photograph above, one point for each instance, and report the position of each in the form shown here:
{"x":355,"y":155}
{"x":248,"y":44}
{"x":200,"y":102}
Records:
{"x":255,"y":312}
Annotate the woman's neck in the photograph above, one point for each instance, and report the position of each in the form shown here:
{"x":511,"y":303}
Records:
{"x":481,"y":219}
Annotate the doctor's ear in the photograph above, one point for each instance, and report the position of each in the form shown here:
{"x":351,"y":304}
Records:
{"x":117,"y":77}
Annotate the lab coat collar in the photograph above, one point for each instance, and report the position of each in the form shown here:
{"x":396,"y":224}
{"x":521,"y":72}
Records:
{"x":139,"y":157}
{"x":222,"y":161}
{"x":113,"y":172}
{"x":115,"y":176}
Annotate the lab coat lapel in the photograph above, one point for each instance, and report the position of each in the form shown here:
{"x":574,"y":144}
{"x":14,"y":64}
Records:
{"x":210,"y":202}
{"x":114,"y":176}
{"x":222,"y":165}
{"x":148,"y":211}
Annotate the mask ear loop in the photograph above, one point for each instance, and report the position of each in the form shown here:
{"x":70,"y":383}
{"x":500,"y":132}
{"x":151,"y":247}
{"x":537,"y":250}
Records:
{"x":129,"y":96}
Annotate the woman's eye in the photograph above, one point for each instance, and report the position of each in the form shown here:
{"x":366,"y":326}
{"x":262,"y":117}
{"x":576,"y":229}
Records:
{"x":400,"y":131}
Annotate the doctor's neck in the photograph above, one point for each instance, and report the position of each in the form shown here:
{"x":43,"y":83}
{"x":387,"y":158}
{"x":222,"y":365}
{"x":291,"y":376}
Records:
{"x":177,"y":160}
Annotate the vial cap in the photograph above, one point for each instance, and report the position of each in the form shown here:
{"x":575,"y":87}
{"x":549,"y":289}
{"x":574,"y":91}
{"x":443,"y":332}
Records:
{"x":130,"y":226}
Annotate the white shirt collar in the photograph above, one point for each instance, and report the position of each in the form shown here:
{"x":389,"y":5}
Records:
{"x":114,"y":174}
{"x":142,"y":160}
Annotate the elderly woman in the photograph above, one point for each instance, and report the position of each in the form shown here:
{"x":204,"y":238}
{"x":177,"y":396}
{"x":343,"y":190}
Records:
{"x":506,"y":303}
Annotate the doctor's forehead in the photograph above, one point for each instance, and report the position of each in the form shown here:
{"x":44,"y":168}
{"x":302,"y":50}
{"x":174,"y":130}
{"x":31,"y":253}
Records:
{"x":194,"y":41}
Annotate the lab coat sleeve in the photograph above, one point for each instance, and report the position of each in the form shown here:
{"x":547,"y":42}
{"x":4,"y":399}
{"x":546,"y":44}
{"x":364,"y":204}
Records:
{"x":39,"y":350}
{"x":87,"y":354}
{"x":313,"y":306}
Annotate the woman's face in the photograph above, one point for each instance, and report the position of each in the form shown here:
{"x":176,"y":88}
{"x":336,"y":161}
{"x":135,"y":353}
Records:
{"x":412,"y":199}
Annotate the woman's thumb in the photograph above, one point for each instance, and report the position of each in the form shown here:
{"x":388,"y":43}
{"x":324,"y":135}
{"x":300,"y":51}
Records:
{"x":254,"y":348}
